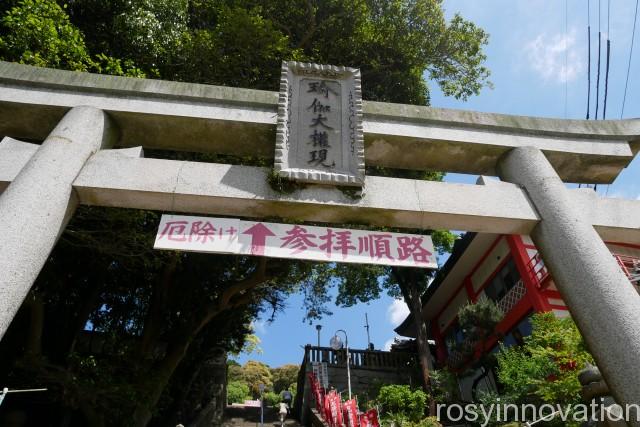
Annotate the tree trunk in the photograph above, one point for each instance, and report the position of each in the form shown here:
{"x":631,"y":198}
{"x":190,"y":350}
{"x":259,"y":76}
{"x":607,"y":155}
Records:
{"x":422,"y":338}
{"x":92,"y":417}
{"x":152,"y":329}
{"x":158,"y":379}
{"x":157,"y":382}
{"x":411,"y":292}
{"x":33,"y":346}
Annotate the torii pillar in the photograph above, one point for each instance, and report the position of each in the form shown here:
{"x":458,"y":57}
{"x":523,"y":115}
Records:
{"x":599,"y":296}
{"x":37,"y":205}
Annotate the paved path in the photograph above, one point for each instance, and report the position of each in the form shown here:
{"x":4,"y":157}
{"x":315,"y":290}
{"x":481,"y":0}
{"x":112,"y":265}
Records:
{"x":244,"y":416}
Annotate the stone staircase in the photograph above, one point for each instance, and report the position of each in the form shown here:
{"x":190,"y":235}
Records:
{"x":247,"y":416}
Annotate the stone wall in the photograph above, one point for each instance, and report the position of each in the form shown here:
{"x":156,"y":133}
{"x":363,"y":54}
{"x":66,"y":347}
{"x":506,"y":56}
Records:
{"x":369,"y":371}
{"x":364,"y":380}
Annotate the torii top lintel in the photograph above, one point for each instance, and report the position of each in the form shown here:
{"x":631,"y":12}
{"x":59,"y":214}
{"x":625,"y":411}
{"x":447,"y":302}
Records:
{"x":194,"y":117}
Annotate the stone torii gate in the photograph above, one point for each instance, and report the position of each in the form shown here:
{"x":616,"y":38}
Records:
{"x":81,"y":116}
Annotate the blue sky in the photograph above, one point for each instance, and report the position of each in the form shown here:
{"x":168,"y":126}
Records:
{"x":529,"y":43}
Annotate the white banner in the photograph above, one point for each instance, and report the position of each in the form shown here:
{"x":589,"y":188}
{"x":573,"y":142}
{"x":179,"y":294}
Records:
{"x":233,"y":236}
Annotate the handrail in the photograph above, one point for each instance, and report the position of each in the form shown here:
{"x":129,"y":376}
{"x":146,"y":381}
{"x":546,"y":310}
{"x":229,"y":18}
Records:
{"x":366,"y":359}
{"x":538,"y":272}
{"x":631,"y":267}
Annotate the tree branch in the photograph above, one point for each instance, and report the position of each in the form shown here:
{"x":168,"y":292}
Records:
{"x":153,"y":320}
{"x":36,"y":325}
{"x":311,"y":28}
{"x":256,"y":278}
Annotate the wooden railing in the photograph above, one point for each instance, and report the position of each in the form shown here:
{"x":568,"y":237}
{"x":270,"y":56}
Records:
{"x":360,"y":358}
{"x":539,"y":274}
{"x":537,"y":271}
{"x":630,"y":266}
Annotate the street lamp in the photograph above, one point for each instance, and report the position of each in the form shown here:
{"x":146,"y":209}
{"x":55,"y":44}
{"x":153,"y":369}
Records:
{"x":318,"y":327}
{"x":336,"y":344}
{"x":261,"y":388}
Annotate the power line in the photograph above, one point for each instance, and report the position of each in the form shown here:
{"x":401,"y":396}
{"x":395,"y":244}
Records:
{"x":566,"y":57}
{"x":598,"y":74}
{"x":633,"y":33}
{"x":588,"y":56}
{"x":606,"y":74}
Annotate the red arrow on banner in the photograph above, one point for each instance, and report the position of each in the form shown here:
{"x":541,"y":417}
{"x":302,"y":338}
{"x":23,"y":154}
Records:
{"x":258,"y":233}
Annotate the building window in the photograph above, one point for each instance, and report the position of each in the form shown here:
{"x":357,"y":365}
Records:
{"x":454,"y":336}
{"x":517,"y":334}
{"x":503,"y":282}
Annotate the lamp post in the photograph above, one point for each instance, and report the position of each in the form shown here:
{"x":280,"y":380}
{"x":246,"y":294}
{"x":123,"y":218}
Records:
{"x":366,"y":325}
{"x":318,"y":327}
{"x":261,"y":387}
{"x":336,"y":344}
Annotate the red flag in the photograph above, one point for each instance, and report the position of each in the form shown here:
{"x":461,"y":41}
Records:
{"x":351,"y":413}
{"x":333,"y":409}
{"x":327,"y":409}
{"x":364,"y":420}
{"x":336,"y":409}
{"x":319,"y":395}
{"x":372,"y":418}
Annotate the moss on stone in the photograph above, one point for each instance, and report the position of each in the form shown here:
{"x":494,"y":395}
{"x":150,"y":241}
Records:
{"x":282,"y":185}
{"x":353,"y":193}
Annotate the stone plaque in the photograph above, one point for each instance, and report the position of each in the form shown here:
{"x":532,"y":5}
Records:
{"x":319,"y":135}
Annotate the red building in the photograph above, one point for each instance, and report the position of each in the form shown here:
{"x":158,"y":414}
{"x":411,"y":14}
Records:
{"x":508,"y":270}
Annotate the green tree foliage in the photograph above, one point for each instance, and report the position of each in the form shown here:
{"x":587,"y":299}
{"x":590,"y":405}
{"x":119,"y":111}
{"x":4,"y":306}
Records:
{"x":478,"y":321}
{"x":271,"y":399}
{"x":39,"y":32}
{"x":255,"y":373}
{"x":284,"y":376}
{"x":251,"y":345}
{"x":544,"y":369}
{"x":237,"y":392}
{"x":242,"y":42}
{"x":399,"y":400}
{"x":445,"y":386}
{"x":483,"y":315}
{"x":234,"y":371}
{"x":226,"y":53}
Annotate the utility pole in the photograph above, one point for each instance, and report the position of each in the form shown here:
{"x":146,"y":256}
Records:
{"x":366,"y":326}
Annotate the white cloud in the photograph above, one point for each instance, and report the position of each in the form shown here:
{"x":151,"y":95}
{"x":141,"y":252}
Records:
{"x":259,"y":327}
{"x":397,"y":312}
{"x":546,"y":55}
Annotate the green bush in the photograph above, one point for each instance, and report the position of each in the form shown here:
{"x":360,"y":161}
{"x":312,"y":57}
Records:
{"x":546,"y":366}
{"x":400,"y":401}
{"x":428,"y":422}
{"x":271,"y":399}
{"x":237,"y":392}
{"x":401,"y":420}
{"x":444,"y":386}
{"x":480,"y":317}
